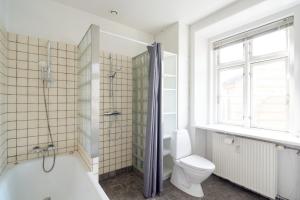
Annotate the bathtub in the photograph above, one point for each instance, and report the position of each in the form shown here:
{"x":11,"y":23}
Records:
{"x":69,"y":180}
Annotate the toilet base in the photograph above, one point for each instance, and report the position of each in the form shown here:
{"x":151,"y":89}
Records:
{"x":193,"y":190}
{"x":180,"y":181}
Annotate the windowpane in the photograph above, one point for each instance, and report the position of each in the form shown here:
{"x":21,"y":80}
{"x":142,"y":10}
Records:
{"x":231,"y":53}
{"x":231,"y":96}
{"x":269,"y":95}
{"x":270,"y":43}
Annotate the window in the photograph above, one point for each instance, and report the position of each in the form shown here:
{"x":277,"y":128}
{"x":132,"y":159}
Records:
{"x":230,"y":100}
{"x":251,"y":77}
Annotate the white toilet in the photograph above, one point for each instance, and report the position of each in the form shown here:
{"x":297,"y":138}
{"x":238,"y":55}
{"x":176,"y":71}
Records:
{"x":189,"y":170}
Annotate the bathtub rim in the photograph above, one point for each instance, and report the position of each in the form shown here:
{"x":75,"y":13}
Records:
{"x":93,"y":178}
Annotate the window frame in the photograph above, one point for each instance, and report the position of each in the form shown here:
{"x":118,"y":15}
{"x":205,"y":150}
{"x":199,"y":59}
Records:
{"x":248,"y":61}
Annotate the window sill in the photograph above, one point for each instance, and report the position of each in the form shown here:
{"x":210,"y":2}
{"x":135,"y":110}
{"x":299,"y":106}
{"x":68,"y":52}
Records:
{"x":277,"y":137}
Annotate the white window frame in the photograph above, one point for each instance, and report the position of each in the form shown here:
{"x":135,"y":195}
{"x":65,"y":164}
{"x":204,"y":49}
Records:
{"x":249,"y":59}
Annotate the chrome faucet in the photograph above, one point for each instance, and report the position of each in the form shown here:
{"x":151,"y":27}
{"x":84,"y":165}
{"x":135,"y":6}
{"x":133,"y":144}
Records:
{"x":38,"y":149}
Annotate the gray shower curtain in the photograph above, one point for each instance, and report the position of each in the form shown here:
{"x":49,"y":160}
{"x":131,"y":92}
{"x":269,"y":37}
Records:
{"x":153,"y":163}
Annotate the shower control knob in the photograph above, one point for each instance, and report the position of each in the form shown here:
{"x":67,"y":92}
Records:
{"x":36,"y":149}
{"x":51,"y":147}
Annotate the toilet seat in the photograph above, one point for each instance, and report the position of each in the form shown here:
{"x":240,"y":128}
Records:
{"x":196,"y":162}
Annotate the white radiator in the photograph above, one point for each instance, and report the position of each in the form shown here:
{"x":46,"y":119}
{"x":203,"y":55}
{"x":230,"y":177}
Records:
{"x":249,"y":163}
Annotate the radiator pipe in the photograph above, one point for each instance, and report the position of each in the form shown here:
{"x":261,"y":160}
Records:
{"x":277,"y":144}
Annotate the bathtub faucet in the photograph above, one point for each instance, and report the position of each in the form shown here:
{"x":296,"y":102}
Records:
{"x":38,"y":149}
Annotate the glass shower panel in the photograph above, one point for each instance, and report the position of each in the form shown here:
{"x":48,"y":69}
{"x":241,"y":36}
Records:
{"x":139,"y":107}
{"x":89,"y":83}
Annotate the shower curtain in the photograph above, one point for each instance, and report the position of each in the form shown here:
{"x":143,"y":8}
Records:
{"x":153,"y":163}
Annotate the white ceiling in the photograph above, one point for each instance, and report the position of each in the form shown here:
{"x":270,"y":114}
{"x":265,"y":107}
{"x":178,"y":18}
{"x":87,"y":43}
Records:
{"x":149,"y":15}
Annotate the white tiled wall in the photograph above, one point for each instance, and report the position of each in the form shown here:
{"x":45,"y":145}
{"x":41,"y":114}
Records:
{"x":26,"y":117}
{"x":115,"y":131}
{"x":27,"y":125}
{"x":3,"y":98}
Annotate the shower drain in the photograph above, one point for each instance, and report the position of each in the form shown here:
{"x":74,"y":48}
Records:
{"x":47,"y":198}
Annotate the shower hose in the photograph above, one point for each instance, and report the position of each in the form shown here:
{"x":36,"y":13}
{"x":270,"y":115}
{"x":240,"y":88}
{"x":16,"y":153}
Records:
{"x":51,"y":146}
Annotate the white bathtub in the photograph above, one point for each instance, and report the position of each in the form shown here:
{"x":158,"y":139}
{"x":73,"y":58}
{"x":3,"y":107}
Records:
{"x":69,"y":180}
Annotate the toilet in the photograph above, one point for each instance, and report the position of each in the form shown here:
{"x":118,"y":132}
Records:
{"x":189,"y":170}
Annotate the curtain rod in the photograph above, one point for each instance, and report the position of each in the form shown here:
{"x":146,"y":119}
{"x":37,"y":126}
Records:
{"x":125,"y":38}
{"x":132,"y":40}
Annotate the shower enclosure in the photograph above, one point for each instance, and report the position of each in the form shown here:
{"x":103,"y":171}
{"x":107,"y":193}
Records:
{"x":139,"y":108}
{"x":113,"y":98}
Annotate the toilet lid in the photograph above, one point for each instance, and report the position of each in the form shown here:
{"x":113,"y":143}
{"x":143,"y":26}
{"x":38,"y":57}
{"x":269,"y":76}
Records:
{"x":197,"y":162}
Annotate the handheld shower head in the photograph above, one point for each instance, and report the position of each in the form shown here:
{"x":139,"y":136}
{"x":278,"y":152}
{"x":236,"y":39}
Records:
{"x":46,"y":73}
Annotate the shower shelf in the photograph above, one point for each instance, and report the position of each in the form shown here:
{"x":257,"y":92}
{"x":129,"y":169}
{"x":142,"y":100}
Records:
{"x":170,"y":75}
{"x":169,"y":113}
{"x":170,"y":89}
{"x":167,"y":137}
{"x":114,"y":113}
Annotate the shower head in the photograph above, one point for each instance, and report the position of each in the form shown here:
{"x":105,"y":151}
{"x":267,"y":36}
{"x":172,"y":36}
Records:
{"x":46,"y":72}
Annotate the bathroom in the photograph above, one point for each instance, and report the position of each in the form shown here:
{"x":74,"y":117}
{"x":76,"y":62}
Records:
{"x":149,"y":100}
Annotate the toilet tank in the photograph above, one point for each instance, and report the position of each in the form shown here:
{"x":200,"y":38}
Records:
{"x":181,"y":144}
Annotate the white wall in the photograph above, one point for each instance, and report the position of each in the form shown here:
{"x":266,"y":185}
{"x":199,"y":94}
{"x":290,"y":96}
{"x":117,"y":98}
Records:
{"x":54,"y":21}
{"x":169,"y":37}
{"x":175,"y":39}
{"x":217,"y":27}
{"x":183,"y":76}
{"x":3,"y":12}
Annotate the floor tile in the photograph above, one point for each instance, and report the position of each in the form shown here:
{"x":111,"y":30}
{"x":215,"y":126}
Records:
{"x":129,"y":186}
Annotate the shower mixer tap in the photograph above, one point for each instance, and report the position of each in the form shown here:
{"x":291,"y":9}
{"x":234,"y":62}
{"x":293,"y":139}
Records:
{"x":38,"y":149}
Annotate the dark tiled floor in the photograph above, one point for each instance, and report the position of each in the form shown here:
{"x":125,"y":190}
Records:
{"x":129,"y":186}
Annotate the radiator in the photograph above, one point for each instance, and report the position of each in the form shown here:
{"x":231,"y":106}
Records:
{"x":249,"y":163}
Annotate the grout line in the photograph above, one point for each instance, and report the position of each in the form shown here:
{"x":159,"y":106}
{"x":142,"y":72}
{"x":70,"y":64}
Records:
{"x":27,"y":97}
